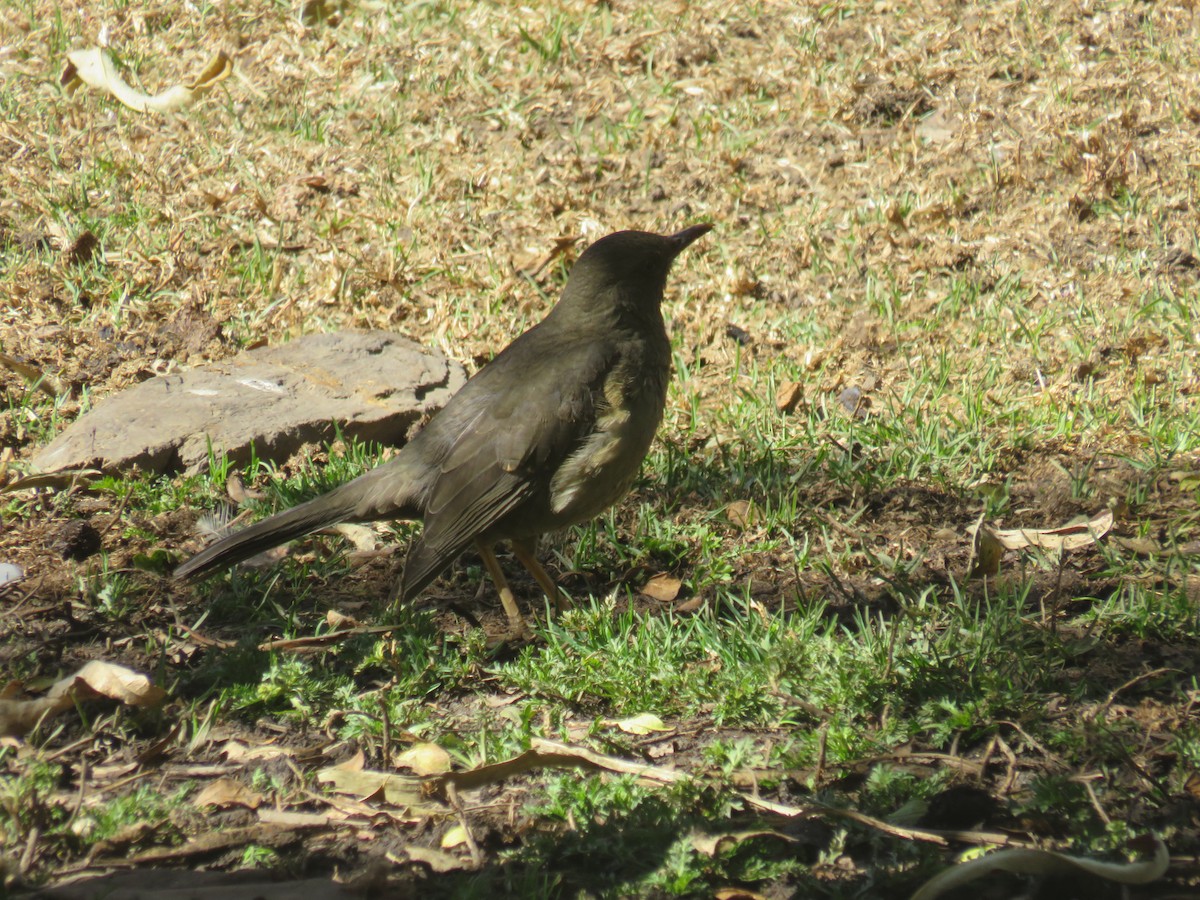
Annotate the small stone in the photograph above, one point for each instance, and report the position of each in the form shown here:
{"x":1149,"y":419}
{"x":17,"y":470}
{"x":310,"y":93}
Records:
{"x":375,"y":385}
{"x":855,"y":402}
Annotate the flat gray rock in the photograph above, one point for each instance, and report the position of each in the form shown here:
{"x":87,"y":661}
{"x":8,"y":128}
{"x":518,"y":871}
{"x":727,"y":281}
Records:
{"x":373,"y":384}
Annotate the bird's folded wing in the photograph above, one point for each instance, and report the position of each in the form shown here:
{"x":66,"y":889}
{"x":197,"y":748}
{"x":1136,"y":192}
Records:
{"x":473,"y":491}
{"x":429,"y":555}
{"x":513,"y":445}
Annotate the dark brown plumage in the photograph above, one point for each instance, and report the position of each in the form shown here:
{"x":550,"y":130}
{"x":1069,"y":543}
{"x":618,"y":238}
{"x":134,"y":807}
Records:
{"x":550,"y":433}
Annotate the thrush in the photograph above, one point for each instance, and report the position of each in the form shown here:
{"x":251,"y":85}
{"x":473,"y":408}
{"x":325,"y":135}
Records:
{"x":550,"y":433}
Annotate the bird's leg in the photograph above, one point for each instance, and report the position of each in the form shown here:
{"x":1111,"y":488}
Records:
{"x":515,"y":620}
{"x":523,"y":551}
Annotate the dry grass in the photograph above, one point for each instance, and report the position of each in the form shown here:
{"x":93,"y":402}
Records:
{"x":411,"y":165}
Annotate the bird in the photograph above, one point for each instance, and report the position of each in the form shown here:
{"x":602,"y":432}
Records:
{"x":549,"y":434}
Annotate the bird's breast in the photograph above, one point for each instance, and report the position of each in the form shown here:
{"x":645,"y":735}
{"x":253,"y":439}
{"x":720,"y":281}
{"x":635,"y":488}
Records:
{"x":602,"y":469}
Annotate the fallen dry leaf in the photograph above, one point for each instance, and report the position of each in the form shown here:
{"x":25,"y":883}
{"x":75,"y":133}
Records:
{"x":1046,"y":862}
{"x":114,"y":682}
{"x":742,"y":514}
{"x":788,"y":397}
{"x":425,"y":758}
{"x":1067,"y":537}
{"x":646,"y":723}
{"x":96,"y":679}
{"x":437,"y":860}
{"x":713,"y":844}
{"x":226,"y":792}
{"x":62,"y":480}
{"x":399,"y":790}
{"x":95,"y":67}
{"x":663,"y":588}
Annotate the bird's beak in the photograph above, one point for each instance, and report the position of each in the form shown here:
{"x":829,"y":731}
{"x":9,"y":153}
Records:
{"x":682,"y":238}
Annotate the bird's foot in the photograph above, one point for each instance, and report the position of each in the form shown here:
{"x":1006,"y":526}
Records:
{"x":518,"y":628}
{"x":523,"y":550}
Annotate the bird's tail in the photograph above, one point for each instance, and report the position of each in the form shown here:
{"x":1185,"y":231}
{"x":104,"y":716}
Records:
{"x":385,"y":492}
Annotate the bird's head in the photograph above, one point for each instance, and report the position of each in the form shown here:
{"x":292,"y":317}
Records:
{"x":625,"y":272}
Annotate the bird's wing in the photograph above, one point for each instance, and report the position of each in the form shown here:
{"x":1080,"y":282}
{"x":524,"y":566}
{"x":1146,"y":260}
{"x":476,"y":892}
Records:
{"x":513,"y":437}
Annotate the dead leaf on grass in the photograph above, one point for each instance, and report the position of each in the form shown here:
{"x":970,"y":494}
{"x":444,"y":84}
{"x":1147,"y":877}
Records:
{"x":742,"y":514}
{"x":399,"y":790}
{"x":1067,"y":537}
{"x":737,"y":893}
{"x":114,"y":682}
{"x":226,"y":792}
{"x":1046,"y":862}
{"x":438,"y":861}
{"x":95,"y":67}
{"x":788,"y":397}
{"x":425,"y":758}
{"x":990,"y":543}
{"x":714,"y":844}
{"x":96,"y":679}
{"x":43,"y":381}
{"x":662,"y":587}
{"x":64,"y":479}
{"x":645,"y":723}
